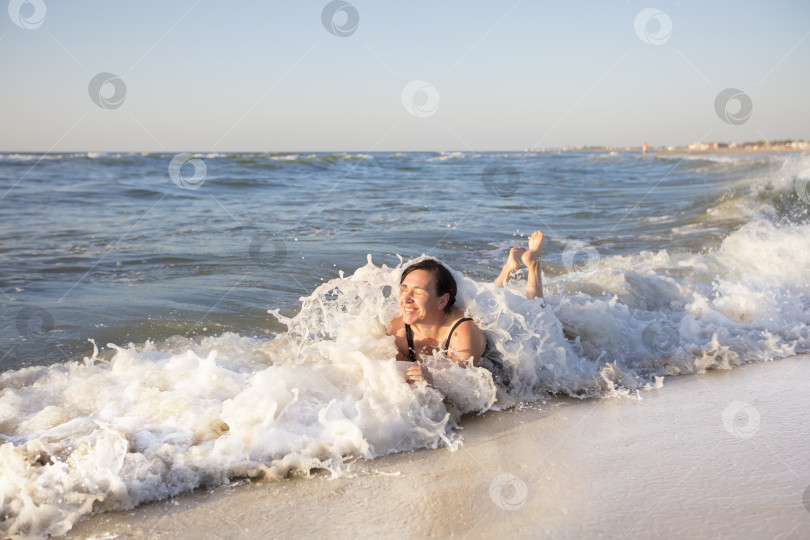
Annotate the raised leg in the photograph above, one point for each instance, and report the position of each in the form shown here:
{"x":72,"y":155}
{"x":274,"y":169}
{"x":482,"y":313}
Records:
{"x":531,"y":258}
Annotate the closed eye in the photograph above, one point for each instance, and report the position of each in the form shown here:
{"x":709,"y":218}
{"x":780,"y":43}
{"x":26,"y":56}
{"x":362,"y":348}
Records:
{"x":418,"y":291}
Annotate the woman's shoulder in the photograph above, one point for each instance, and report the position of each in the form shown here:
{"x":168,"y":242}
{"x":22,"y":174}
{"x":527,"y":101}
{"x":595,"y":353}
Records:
{"x":457,"y":316}
{"x":466,"y":336}
{"x":396,"y":326}
{"x":461,"y":325}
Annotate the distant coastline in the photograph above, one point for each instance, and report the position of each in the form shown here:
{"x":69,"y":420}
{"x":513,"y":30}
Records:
{"x":760,"y":147}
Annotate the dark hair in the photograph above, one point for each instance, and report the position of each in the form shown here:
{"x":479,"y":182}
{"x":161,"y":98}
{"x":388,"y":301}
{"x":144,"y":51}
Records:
{"x":445,"y":283}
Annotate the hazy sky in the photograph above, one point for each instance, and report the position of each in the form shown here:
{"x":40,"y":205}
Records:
{"x":205,"y":75}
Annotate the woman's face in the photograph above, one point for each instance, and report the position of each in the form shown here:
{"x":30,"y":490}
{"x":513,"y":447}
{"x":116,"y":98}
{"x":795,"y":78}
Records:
{"x":418,"y":299}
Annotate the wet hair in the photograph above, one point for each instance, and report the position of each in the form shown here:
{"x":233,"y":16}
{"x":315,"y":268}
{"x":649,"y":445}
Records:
{"x":445,"y":283}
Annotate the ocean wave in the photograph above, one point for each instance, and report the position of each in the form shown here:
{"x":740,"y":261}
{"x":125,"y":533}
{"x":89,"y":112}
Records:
{"x":276,"y":160}
{"x":735,"y":160}
{"x":26,"y":157}
{"x":444,"y":156}
{"x":606,"y":156}
{"x":150,"y":421}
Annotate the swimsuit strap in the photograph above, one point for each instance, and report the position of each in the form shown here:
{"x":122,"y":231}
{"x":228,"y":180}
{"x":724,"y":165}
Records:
{"x":409,"y":337}
{"x":447,"y":343}
{"x":411,"y":350}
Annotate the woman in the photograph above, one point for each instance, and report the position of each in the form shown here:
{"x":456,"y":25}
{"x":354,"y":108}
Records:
{"x":430,"y":322}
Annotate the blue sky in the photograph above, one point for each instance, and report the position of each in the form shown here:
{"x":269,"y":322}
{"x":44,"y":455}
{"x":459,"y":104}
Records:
{"x":208,"y":76}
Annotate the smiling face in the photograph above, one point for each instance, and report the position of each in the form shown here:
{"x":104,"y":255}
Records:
{"x":418,"y":299}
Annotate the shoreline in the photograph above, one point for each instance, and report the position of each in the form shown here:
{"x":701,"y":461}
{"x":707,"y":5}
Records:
{"x":677,"y":462}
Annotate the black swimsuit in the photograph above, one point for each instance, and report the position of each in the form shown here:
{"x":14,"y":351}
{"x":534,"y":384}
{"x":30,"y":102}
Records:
{"x":490,"y":359}
{"x":409,"y":335}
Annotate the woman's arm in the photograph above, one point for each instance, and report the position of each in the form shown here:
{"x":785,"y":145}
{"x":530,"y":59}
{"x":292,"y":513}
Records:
{"x":396,"y":328}
{"x":467,"y":341}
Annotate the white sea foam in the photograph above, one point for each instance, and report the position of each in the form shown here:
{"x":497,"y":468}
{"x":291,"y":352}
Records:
{"x":671,"y":313}
{"x":736,"y":159}
{"x":37,"y":157}
{"x":444,"y":156}
{"x":157,"y":420}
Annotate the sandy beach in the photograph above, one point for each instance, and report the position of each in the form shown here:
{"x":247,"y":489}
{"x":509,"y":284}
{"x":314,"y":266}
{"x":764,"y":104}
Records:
{"x":717,"y":455}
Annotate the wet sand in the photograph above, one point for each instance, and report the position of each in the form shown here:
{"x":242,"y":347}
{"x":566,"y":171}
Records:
{"x":719,"y":455}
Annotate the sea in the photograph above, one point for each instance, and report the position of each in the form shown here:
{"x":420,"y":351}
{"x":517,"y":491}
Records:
{"x":175,"y":321}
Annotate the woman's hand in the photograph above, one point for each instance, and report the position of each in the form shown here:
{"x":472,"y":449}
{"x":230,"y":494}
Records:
{"x":414,"y":373}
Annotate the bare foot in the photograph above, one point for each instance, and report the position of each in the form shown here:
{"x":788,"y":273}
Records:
{"x":532,"y":255}
{"x":512,"y":263}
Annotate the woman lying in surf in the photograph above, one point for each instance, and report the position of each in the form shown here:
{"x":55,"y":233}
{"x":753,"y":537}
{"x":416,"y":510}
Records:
{"x":430,"y":322}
